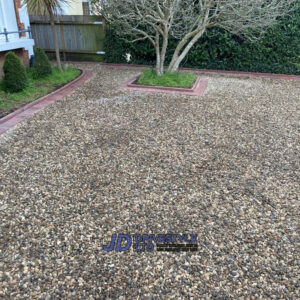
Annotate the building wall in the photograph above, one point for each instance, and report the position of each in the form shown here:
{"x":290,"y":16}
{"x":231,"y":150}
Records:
{"x":8,"y":18}
{"x":23,"y":19}
{"x":74,"y":7}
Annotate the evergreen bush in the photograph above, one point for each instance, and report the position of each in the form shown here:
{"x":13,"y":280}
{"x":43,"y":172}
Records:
{"x":41,"y":65}
{"x":15,"y":76}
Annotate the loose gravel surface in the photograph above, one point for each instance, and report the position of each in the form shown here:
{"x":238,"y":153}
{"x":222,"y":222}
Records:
{"x":224,"y":166}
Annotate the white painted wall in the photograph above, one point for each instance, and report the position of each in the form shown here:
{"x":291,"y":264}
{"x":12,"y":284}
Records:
{"x":8,"y":21}
{"x":24,"y":18}
{"x":2,"y":24}
{"x":74,"y":7}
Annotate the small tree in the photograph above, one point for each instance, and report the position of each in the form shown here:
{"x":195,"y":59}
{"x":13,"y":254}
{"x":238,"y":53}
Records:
{"x":48,"y":8}
{"x":15,"y":76}
{"x":187,"y":21}
{"x":41,"y":66}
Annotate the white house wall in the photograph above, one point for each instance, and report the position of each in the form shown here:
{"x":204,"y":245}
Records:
{"x":9,"y":18}
{"x":24,"y":18}
{"x":8,"y":21}
{"x":74,"y":7}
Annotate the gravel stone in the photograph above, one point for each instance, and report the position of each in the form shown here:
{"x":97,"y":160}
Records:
{"x":224,"y":166}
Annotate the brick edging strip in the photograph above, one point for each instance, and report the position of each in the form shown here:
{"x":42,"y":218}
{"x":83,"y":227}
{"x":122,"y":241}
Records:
{"x":220,"y":72}
{"x":197,"y":89}
{"x":131,"y":84}
{"x":31,"y":108}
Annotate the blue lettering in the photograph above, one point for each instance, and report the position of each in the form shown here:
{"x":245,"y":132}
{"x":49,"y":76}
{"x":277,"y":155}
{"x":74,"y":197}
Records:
{"x":179,"y":236}
{"x":153,"y":238}
{"x":161,"y":238}
{"x":137,"y":249}
{"x":193,"y":238}
{"x":112,"y":244}
{"x":129,"y":242}
{"x":138,"y":238}
{"x":150,"y":247}
{"x":145,"y":237}
{"x":169,"y":238}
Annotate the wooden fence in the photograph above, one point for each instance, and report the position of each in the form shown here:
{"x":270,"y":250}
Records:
{"x":80,"y":37}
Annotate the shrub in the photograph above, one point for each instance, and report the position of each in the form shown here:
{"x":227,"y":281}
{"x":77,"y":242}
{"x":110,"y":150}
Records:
{"x":15,"y":76}
{"x":41,"y":65}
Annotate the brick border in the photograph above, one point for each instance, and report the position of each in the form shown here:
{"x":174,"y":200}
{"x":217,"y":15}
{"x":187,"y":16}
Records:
{"x":31,"y":108}
{"x":220,"y":72}
{"x":198,"y":88}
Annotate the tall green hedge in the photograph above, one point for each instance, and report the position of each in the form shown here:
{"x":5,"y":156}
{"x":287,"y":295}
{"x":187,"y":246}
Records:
{"x":277,"y":52}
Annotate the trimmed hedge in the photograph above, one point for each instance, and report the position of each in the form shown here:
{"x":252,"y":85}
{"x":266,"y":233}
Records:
{"x":277,"y":52}
{"x":15,"y":76}
{"x":41,"y":66}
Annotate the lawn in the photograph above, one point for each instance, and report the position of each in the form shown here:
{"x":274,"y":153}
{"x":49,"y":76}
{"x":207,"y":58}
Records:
{"x":178,"y":79}
{"x":36,"y":89}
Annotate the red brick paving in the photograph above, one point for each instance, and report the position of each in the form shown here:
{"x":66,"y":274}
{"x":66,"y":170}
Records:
{"x":30,"y":109}
{"x":2,"y":130}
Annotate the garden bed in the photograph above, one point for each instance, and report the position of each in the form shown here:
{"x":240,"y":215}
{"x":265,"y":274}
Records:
{"x":37,"y":88}
{"x":168,"y":79}
{"x":197,"y":89}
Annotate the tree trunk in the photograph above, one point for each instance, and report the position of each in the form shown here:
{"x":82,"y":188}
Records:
{"x":158,"y":64}
{"x":55,"y":42}
{"x":178,"y":59}
{"x":158,"y":56}
{"x":164,"y":50}
{"x":180,"y":45}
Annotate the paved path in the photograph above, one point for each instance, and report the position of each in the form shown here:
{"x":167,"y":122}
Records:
{"x":224,"y":166}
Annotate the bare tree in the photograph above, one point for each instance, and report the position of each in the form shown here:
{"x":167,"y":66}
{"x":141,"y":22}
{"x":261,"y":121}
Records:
{"x":187,"y":20}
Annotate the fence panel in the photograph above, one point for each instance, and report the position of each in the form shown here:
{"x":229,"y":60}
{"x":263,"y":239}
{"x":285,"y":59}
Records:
{"x":81,"y":35}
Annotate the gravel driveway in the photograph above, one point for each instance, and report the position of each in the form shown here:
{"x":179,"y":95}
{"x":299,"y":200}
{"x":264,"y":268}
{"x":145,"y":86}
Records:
{"x":224,"y":166}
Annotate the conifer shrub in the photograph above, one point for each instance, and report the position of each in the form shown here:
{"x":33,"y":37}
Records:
{"x":41,"y":65}
{"x":15,"y":76}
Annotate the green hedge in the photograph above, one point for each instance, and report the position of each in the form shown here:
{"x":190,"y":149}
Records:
{"x":277,"y":52}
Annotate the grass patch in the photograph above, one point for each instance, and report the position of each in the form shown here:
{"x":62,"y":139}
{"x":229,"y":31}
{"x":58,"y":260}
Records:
{"x":177,"y":79}
{"x":37,"y":88}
